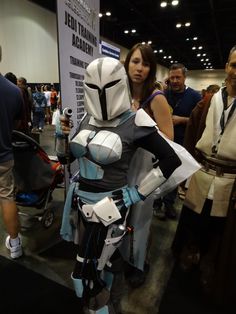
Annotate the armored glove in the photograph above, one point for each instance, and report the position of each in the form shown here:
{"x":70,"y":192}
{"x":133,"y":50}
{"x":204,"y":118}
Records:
{"x":127,"y":196}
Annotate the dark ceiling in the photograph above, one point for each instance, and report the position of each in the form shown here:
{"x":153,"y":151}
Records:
{"x":213,"y":22}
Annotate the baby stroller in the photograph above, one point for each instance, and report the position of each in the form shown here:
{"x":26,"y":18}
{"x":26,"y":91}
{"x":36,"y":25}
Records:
{"x":36,"y":177}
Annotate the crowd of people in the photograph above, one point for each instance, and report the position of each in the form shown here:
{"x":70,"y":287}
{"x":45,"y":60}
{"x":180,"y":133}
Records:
{"x":123,"y":159}
{"x":40,"y":101}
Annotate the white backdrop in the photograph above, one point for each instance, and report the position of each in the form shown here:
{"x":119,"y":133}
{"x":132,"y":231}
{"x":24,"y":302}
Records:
{"x":28,"y":36}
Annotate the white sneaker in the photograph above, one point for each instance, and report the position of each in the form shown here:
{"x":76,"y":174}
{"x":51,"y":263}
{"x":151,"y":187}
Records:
{"x":15,"y":251}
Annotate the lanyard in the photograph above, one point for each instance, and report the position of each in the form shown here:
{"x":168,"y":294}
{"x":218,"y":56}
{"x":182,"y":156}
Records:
{"x":222,"y":119}
{"x":223,"y":123}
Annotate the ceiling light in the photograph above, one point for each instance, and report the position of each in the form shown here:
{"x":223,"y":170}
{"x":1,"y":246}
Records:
{"x":207,"y":59}
{"x":187,"y":39}
{"x":198,"y":55}
{"x":187,"y":24}
{"x":100,"y":14}
{"x":126,"y":31}
{"x":195,"y":38}
{"x":133,"y":31}
{"x":193,"y":48}
{"x":149,"y":42}
{"x":178,"y":25}
{"x":202,"y":60}
{"x":171,"y":61}
{"x":175,"y":2}
{"x":204,"y":54}
{"x":108,"y":13}
{"x":165,"y":57}
{"x":143,"y":43}
{"x":200,"y":47}
{"x":160,"y":50}
{"x":163,"y":4}
{"x":169,"y":57}
{"x":155,"y":51}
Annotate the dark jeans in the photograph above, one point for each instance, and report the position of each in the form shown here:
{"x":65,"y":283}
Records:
{"x":167,"y":200}
{"x":38,"y":119}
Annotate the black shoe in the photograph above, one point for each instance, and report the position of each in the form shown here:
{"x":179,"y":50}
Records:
{"x":170,"y":212}
{"x":159,"y":213}
{"x":137,"y":277}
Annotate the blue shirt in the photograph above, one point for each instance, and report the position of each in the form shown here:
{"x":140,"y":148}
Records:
{"x":11,"y":105}
{"x":182,"y":105}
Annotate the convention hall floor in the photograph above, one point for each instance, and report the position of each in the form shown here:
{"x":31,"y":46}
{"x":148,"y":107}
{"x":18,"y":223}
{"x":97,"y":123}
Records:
{"x":37,"y":239}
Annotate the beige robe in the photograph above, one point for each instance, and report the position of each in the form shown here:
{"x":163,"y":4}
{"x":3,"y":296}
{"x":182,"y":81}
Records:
{"x":203,"y":180}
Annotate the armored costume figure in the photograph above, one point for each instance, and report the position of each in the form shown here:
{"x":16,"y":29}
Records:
{"x":104,"y":144}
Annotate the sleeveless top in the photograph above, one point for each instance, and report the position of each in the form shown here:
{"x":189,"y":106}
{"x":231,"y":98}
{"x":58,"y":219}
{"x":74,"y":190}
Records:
{"x":146,"y":104}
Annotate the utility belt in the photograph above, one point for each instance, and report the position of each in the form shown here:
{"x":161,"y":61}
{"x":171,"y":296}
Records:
{"x":220,"y":167}
{"x":97,"y":207}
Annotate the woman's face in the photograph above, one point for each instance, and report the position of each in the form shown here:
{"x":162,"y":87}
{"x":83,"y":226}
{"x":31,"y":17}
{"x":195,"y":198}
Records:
{"x":138,"y":68}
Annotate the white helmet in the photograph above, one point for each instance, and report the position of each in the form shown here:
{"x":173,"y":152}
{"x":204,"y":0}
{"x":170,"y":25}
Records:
{"x":106,"y":89}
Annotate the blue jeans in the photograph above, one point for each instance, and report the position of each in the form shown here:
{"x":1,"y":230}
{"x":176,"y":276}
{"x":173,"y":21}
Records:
{"x":38,"y":119}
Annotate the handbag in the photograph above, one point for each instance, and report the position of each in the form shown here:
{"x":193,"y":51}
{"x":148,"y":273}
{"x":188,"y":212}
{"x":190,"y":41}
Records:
{"x":55,"y":116}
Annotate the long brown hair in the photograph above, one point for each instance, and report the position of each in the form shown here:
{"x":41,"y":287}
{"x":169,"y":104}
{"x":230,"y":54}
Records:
{"x":149,"y":57}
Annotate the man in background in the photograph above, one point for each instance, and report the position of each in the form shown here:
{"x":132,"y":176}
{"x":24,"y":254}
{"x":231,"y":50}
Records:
{"x":194,"y":126}
{"x":182,"y":100}
{"x":11,"y":104}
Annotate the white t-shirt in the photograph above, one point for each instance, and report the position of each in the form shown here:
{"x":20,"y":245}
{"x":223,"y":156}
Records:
{"x":47,"y":96}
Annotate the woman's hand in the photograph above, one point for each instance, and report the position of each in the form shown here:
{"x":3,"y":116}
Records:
{"x":65,"y":124}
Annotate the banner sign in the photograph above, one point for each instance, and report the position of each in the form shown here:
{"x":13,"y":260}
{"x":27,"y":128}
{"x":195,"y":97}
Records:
{"x":78,"y":41}
{"x":109,"y":50}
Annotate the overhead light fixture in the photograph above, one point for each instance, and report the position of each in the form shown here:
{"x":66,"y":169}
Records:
{"x":149,"y":42}
{"x":160,"y":50}
{"x":163,"y":4}
{"x":106,"y":13}
{"x":175,"y":2}
{"x":187,"y":24}
{"x":126,"y":31}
